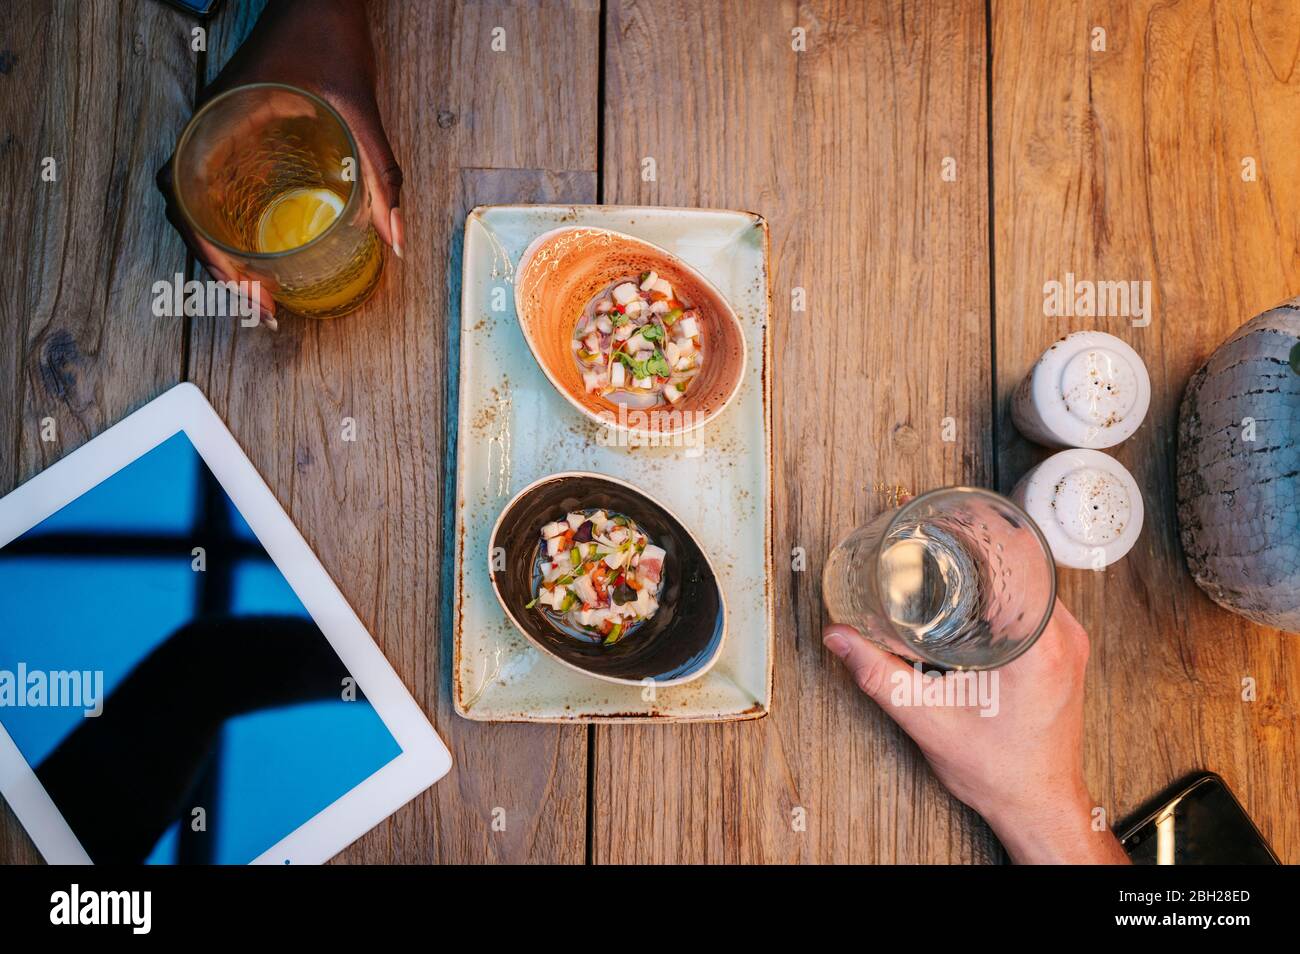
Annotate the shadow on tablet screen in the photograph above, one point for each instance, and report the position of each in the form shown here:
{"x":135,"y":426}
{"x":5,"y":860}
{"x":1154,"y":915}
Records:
{"x":176,"y":699}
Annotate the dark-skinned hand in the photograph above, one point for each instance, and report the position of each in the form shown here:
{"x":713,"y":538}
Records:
{"x":324,"y":47}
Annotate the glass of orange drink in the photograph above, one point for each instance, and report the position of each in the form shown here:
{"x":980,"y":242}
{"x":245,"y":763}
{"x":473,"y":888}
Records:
{"x":270,"y":175}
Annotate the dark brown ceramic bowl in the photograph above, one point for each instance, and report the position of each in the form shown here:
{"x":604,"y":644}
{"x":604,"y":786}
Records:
{"x":678,"y":644}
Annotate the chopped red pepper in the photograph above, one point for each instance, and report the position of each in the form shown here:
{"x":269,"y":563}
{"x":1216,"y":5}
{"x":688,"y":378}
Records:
{"x":598,"y":576}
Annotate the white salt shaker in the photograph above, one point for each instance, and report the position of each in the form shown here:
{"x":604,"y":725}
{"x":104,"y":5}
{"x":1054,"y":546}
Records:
{"x":1090,"y":389}
{"x":1086,"y":503}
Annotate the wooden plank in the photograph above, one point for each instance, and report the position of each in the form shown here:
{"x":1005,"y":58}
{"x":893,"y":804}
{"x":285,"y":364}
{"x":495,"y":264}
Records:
{"x":1126,"y":164}
{"x":102,"y":89}
{"x":376,"y":510}
{"x":842,"y":148}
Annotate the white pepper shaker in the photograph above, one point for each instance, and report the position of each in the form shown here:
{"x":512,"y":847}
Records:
{"x":1089,"y":389}
{"x":1086,"y":503}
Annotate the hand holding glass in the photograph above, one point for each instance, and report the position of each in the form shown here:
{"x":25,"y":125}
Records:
{"x":960,"y":578}
{"x":269,"y":175}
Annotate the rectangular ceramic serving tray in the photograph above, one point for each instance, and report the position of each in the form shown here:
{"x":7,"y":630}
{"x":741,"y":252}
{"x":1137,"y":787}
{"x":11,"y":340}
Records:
{"x":514,"y":428}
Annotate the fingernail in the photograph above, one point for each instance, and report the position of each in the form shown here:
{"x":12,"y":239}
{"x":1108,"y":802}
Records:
{"x":837,"y":644}
{"x":268,"y":319}
{"x":397,"y":230}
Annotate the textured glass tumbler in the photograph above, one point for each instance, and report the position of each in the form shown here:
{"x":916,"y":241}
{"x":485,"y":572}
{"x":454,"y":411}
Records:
{"x":243,"y":152}
{"x":960,"y":578}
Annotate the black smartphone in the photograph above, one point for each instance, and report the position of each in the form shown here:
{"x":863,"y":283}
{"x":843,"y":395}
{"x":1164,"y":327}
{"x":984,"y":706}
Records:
{"x":1198,"y":822}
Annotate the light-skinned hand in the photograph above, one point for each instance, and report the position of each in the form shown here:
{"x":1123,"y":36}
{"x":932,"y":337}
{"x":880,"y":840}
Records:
{"x":1022,"y":768}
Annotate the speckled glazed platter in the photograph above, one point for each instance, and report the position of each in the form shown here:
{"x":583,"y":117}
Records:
{"x":515,"y":428}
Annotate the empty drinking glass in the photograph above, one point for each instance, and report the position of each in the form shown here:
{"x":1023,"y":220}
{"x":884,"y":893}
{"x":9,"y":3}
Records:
{"x":960,"y":578}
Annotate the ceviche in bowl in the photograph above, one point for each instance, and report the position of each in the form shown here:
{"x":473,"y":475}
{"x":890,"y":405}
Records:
{"x":607,"y":580}
{"x":632,"y":336}
{"x":598,"y":575}
{"x":636,"y":343}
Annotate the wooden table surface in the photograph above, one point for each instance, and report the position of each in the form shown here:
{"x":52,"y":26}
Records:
{"x":925,"y":168}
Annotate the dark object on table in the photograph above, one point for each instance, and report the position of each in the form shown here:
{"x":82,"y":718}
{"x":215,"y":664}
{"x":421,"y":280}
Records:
{"x":1239,"y":471}
{"x":200,"y":8}
{"x":1197,"y":822}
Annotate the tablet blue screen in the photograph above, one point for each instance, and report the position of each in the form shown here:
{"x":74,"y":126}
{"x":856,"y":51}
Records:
{"x":163,"y":679}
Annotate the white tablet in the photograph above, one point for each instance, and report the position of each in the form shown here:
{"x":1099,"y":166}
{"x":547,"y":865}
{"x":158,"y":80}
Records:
{"x":180,"y":680}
